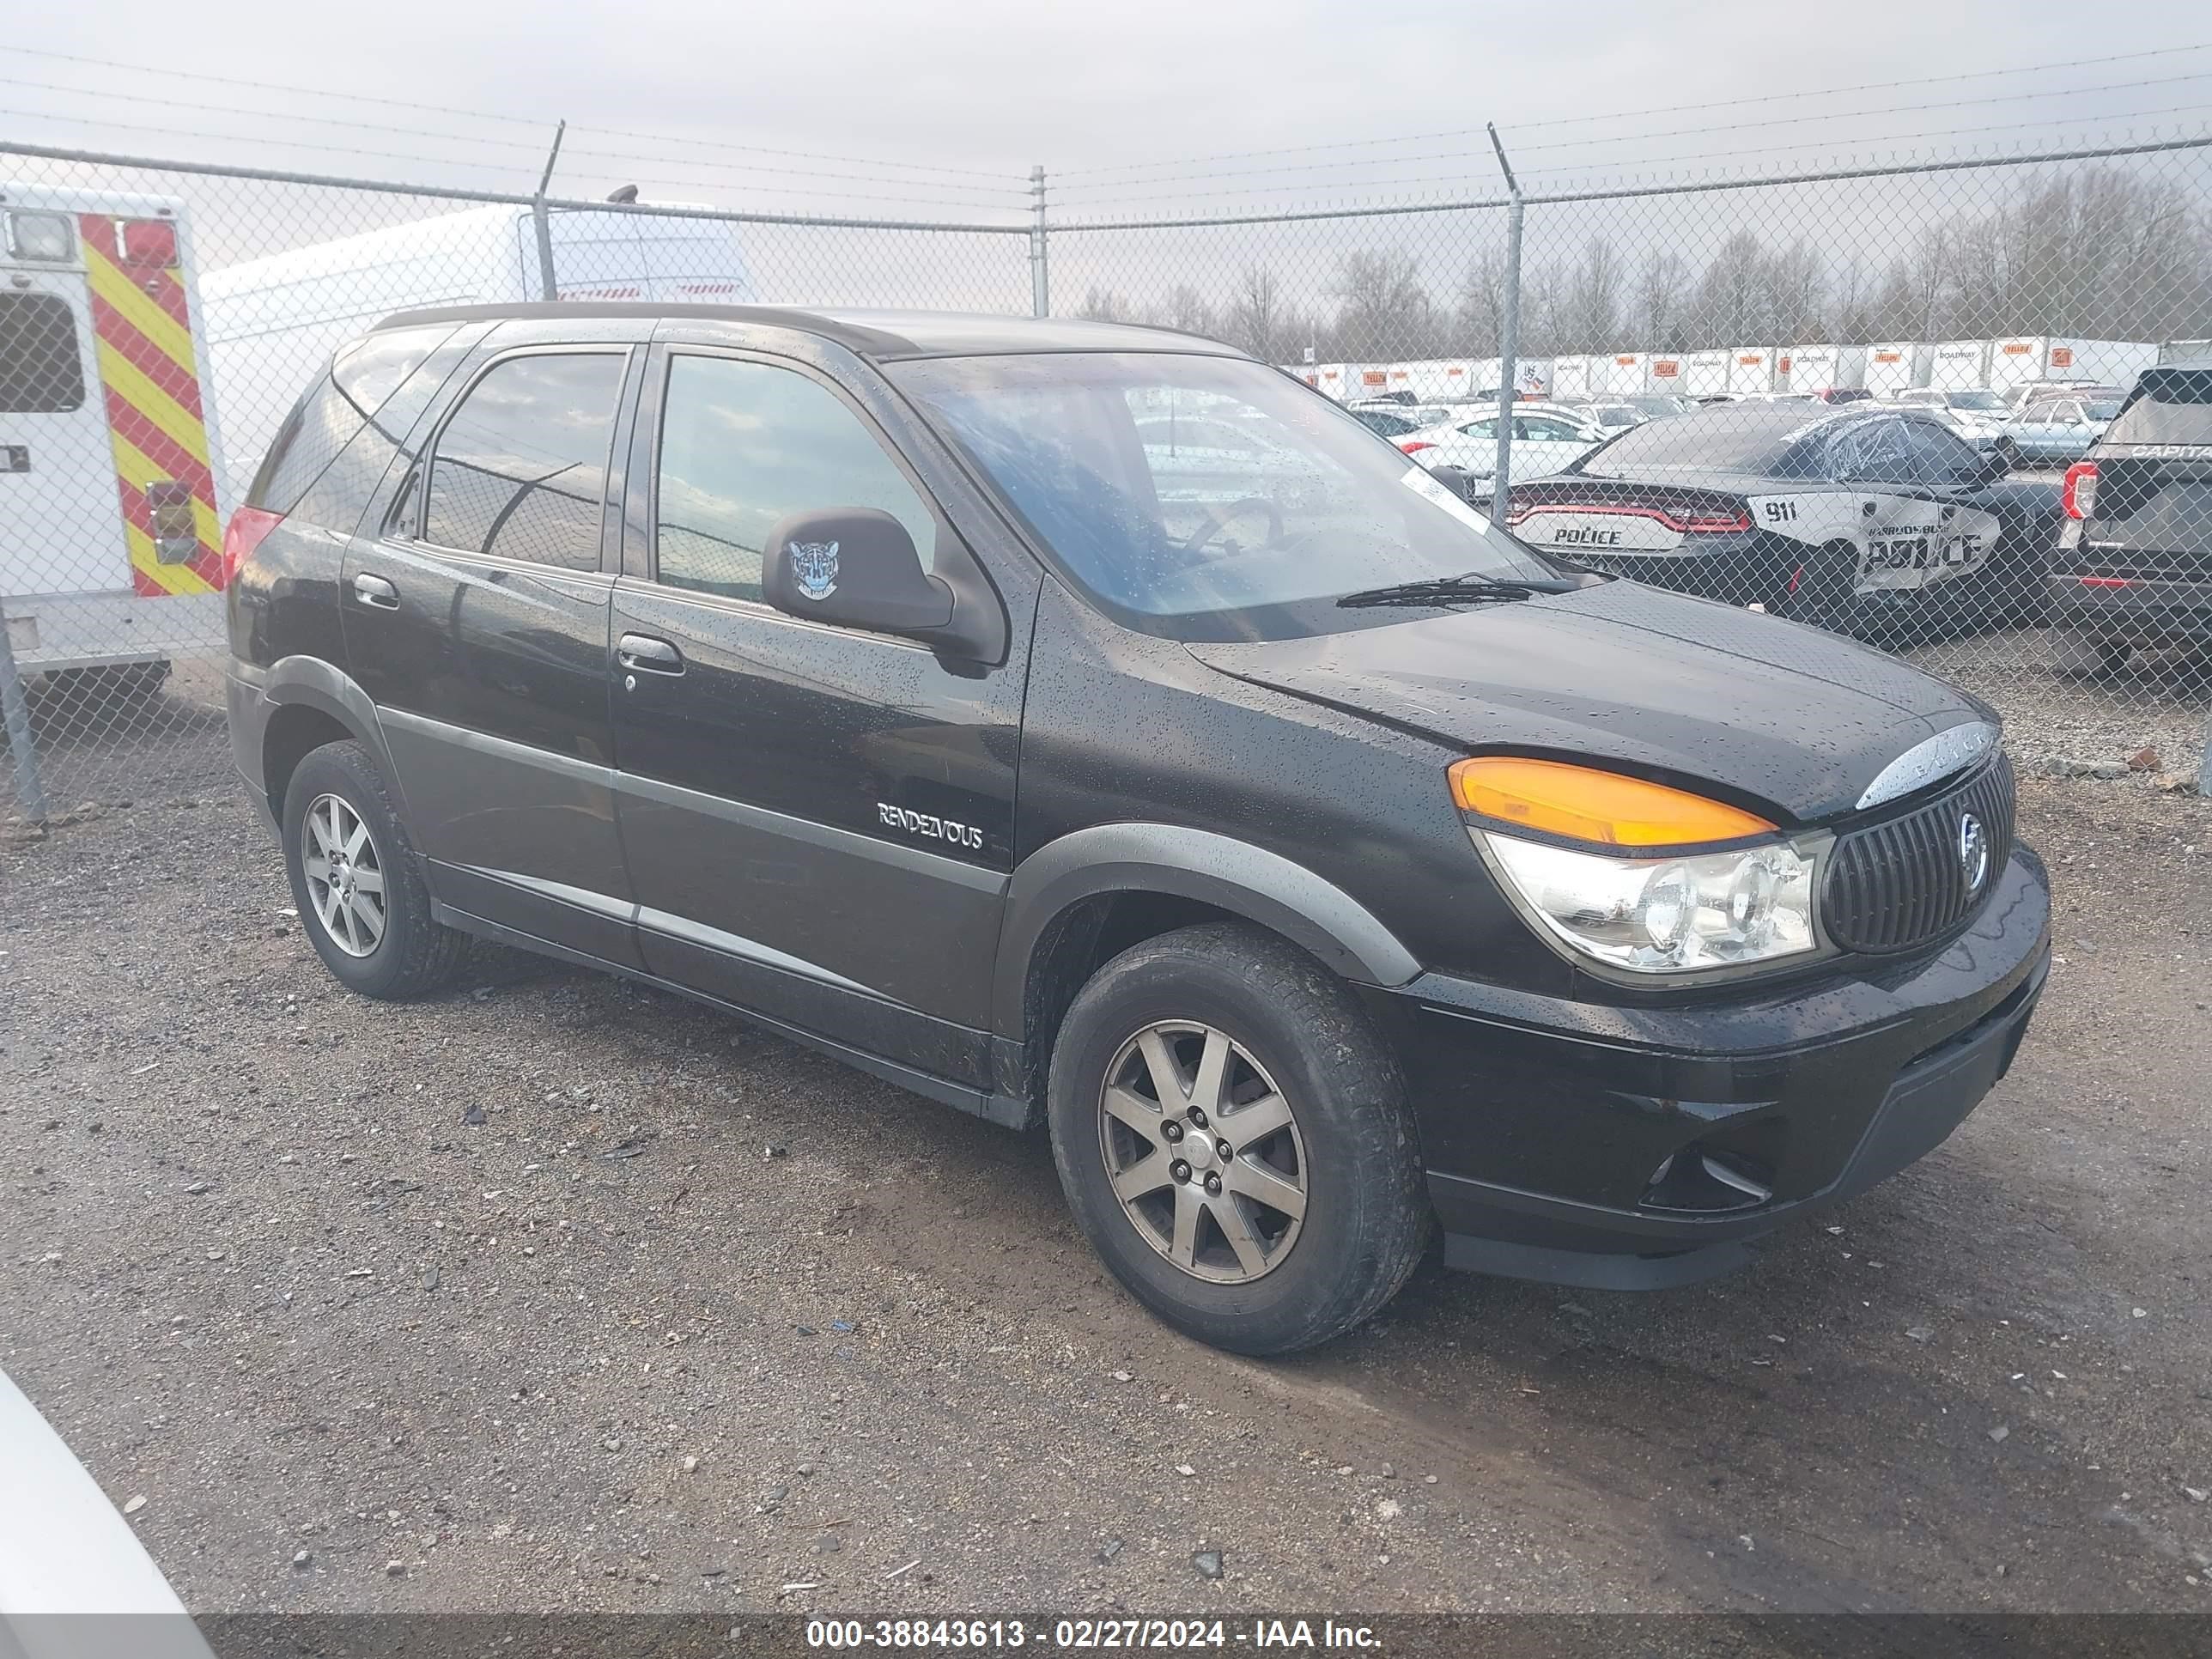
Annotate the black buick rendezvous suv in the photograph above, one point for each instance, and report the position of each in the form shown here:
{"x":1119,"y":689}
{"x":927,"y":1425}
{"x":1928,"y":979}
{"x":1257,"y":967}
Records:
{"x":1091,"y":728}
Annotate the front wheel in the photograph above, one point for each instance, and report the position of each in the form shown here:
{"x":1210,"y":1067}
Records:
{"x":1232,"y":1134}
{"x":358,"y":883}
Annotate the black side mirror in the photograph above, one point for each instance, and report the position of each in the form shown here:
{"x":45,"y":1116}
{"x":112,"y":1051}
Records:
{"x":1459,"y":481}
{"x":857,"y":567}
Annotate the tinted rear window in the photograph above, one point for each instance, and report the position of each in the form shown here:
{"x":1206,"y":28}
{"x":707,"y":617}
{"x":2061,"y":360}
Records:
{"x":331,"y":412}
{"x":41,"y":372}
{"x":1729,"y":438}
{"x":2168,"y":407}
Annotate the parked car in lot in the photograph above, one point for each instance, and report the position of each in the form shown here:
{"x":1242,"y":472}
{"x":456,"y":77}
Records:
{"x":1546,"y":437}
{"x":1399,"y":420}
{"x":1976,"y":413}
{"x":1858,"y":519}
{"x":74,"y":1578}
{"x":2134,"y":565}
{"x":1316,"y":868}
{"x":2060,"y":426}
{"x":1607,"y":414}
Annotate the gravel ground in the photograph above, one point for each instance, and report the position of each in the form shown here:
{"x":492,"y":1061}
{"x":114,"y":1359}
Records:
{"x":2161,"y":702}
{"x":560,"y":1294}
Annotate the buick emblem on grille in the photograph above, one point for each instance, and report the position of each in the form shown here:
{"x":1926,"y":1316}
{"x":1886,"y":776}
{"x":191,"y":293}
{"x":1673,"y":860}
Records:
{"x":1974,"y":852}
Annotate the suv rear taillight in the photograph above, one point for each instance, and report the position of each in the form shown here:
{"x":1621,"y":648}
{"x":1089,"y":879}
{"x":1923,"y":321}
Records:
{"x":2078,"y":496}
{"x":1412,"y":446}
{"x":248,"y":525}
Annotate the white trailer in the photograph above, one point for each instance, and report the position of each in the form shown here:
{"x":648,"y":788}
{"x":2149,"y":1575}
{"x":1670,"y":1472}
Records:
{"x":1818,"y":368}
{"x":1705,"y":373}
{"x":2023,"y":361}
{"x":1958,"y":365}
{"x":273,"y":323}
{"x":1666,"y":374}
{"x":1573,"y":377}
{"x":1895,"y":366}
{"x":110,"y":518}
{"x":1751,"y":369}
{"x":1621,"y":375}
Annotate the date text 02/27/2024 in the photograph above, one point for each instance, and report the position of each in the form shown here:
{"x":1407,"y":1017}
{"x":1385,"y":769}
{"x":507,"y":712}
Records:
{"x":1089,"y":1635}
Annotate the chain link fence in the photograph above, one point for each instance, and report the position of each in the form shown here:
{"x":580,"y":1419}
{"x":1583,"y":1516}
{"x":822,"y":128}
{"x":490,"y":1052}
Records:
{"x":1945,"y":409}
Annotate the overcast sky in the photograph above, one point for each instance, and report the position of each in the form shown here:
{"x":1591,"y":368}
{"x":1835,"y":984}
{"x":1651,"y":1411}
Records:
{"x":1092,"y":91}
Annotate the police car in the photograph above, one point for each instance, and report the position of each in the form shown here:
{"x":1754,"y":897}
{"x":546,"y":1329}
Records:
{"x":1855,"y":519}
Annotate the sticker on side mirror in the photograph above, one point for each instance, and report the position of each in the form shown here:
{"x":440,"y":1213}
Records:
{"x":1418,"y":480}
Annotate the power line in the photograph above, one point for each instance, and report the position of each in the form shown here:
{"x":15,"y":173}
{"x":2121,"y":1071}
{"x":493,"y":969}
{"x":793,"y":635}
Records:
{"x":1631,"y":115}
{"x":1677,"y":132}
{"x":169,"y":72}
{"x":758,"y":187}
{"x":1461,"y":178}
{"x":1680,"y":131}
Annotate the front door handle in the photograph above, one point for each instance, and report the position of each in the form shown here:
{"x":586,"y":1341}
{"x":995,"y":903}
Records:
{"x":642,"y":653}
{"x":377,"y":591}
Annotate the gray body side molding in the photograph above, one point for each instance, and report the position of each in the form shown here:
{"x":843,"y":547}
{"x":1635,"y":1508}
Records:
{"x":1249,"y":881}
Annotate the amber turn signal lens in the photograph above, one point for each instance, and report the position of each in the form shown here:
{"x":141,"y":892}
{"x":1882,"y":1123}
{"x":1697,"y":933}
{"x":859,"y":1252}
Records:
{"x":1584,"y":804}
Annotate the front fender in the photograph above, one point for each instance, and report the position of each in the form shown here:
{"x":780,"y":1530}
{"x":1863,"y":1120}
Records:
{"x":1262,"y":887}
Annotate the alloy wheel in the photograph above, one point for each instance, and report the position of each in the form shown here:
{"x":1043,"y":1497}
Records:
{"x":346,"y":875}
{"x":1203,"y":1151}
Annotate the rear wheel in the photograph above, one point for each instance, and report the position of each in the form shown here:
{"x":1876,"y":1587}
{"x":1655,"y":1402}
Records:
{"x":1233,"y":1137}
{"x":358,"y":882}
{"x":1826,"y":591}
{"x":2084,"y":656}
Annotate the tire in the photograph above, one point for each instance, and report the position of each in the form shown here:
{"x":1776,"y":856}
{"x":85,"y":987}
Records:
{"x":1827,"y":592}
{"x":402,"y":954}
{"x":1291,"y":1032}
{"x":2083,"y":656}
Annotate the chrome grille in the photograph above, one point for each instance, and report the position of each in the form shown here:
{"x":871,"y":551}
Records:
{"x":1901,"y":883}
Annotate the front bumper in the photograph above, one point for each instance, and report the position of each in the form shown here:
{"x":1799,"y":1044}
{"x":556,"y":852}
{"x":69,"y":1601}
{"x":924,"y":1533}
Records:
{"x":1634,"y":1148}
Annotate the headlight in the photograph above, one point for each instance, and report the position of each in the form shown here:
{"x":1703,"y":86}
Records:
{"x":1638,"y":893}
{"x":1666,"y":915}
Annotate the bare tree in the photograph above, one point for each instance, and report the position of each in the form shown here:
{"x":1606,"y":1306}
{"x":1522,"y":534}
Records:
{"x":1479,"y":314}
{"x":1253,"y":318}
{"x":1102,"y":305}
{"x":1382,"y":311}
{"x":1663,"y":300}
{"x":1593,"y":319}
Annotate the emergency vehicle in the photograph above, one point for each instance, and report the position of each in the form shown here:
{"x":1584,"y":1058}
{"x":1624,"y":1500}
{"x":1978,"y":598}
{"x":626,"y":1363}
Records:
{"x":109,"y":524}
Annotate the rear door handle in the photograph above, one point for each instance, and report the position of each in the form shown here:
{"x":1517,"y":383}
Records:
{"x":375,"y":590}
{"x":642,"y":653}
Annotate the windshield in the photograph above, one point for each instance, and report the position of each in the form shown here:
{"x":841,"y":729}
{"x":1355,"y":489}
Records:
{"x":2104,"y":409}
{"x":1613,"y":415}
{"x":1207,"y":498}
{"x":1981,"y":402}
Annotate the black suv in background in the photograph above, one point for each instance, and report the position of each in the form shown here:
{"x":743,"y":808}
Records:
{"x":1316,"y":860}
{"x":2134,"y":563}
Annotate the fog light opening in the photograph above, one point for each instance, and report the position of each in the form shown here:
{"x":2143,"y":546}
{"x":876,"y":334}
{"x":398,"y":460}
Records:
{"x":1696,"y":1181}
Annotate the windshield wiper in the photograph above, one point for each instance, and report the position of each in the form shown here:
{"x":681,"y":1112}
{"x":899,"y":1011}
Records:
{"x":1452,"y":590}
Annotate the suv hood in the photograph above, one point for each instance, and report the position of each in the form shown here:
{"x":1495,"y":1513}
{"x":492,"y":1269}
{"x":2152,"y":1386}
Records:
{"x":1796,"y":719}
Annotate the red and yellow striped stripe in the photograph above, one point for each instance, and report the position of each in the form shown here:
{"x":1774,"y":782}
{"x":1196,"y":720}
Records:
{"x":157,"y":428}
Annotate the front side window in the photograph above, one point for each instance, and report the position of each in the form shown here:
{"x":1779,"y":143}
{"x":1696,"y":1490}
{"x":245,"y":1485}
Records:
{"x":520,"y":471}
{"x":1205,"y":542}
{"x":742,"y":444}
{"x":41,"y":371}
